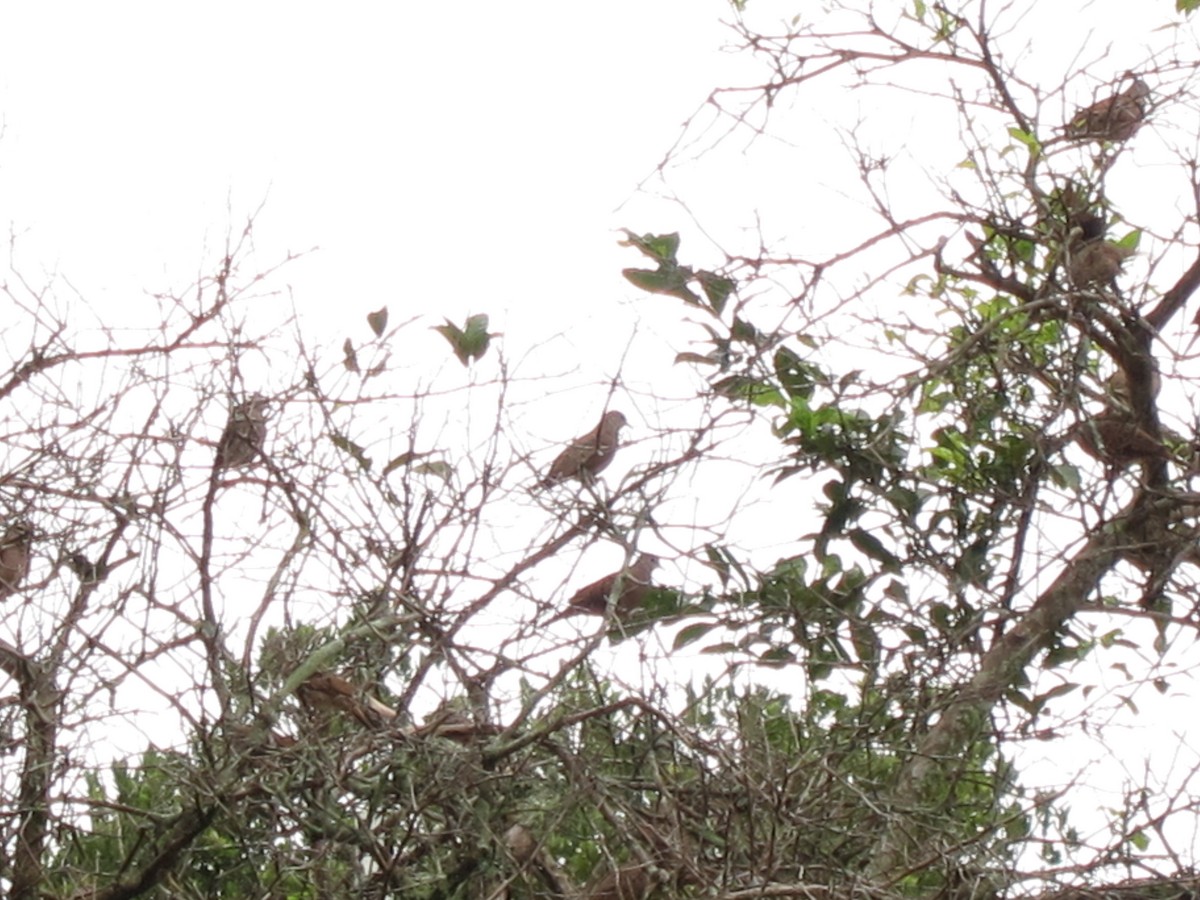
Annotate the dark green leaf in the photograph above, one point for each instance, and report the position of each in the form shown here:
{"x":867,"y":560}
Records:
{"x":671,"y":281}
{"x":349,"y":447}
{"x":692,"y":633}
{"x":741,"y":387}
{"x":350,"y":360}
{"x":468,"y":343}
{"x":378,"y":321}
{"x":404,"y":459}
{"x":438,"y":468}
{"x":659,"y":247}
{"x":698,"y":359}
{"x":873,"y":547}
{"x":723,"y":648}
{"x":716,"y":288}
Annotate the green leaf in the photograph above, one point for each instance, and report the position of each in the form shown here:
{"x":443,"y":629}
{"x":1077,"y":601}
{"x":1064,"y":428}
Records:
{"x":716,"y":288}
{"x":742,"y":387}
{"x":723,"y":648}
{"x":670,"y":280}
{"x":777,"y":657}
{"x":378,"y":321}
{"x":404,"y":459}
{"x":1060,"y":690}
{"x":350,"y":448}
{"x":437,"y":468}
{"x":1130,"y":241}
{"x":468,"y":343}
{"x":1029,"y":140}
{"x":725,"y":564}
{"x":698,"y":359}
{"x":866,"y":642}
{"x":350,"y":358}
{"x":795,"y":375}
{"x":1066,"y":476}
{"x":659,"y":247}
{"x":867,"y":543}
{"x":692,"y":633}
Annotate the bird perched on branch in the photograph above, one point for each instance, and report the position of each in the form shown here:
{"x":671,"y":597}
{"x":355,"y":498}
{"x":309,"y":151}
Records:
{"x":258,"y":741}
{"x":587,"y":456}
{"x":1114,"y":118}
{"x":629,"y":882}
{"x":322,"y":691}
{"x":1115,"y":437}
{"x":1096,"y":263}
{"x":629,"y":587}
{"x":242,"y":441}
{"x":1146,"y":383}
{"x":16,"y":548}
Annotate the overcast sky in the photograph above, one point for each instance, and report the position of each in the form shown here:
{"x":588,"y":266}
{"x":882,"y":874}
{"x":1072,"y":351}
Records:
{"x":461,"y":157}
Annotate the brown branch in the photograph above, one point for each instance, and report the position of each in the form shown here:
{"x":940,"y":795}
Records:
{"x":999,"y":668}
{"x":189,"y":826}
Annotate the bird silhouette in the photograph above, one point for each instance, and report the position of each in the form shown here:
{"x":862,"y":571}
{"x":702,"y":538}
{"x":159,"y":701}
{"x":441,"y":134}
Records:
{"x":630,"y":585}
{"x":1116,"y":438}
{"x":1114,"y":118}
{"x":587,"y":456}
{"x":16,"y":548}
{"x":323,"y":692}
{"x":242,"y":441}
{"x":1096,"y":263}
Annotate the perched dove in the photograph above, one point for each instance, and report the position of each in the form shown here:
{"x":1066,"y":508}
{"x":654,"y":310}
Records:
{"x":1096,"y":263}
{"x":1115,"y":437}
{"x":242,"y":441}
{"x":259,"y":742}
{"x":629,"y":882}
{"x":631,"y":586}
{"x":15,"y":549}
{"x":325,"y":692}
{"x":1114,"y":118}
{"x":1119,"y":388}
{"x":585,"y":457}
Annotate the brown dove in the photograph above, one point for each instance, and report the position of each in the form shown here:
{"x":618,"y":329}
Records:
{"x":587,"y":456}
{"x":631,"y":586}
{"x":242,"y":441}
{"x":1114,"y":118}
{"x":1114,"y":437}
{"x":259,"y":742}
{"x":15,"y":549}
{"x":325,"y":692}
{"x":1118,"y":386}
{"x":1096,"y":263}
{"x":630,"y":882}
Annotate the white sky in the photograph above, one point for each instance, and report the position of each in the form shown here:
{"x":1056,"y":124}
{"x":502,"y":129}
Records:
{"x":445,"y":157}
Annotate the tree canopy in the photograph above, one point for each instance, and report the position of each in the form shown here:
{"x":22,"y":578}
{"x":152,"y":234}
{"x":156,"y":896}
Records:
{"x":295,"y":615}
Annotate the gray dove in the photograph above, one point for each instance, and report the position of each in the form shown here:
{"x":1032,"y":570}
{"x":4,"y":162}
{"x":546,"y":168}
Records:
{"x":15,"y":550}
{"x":242,"y":441}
